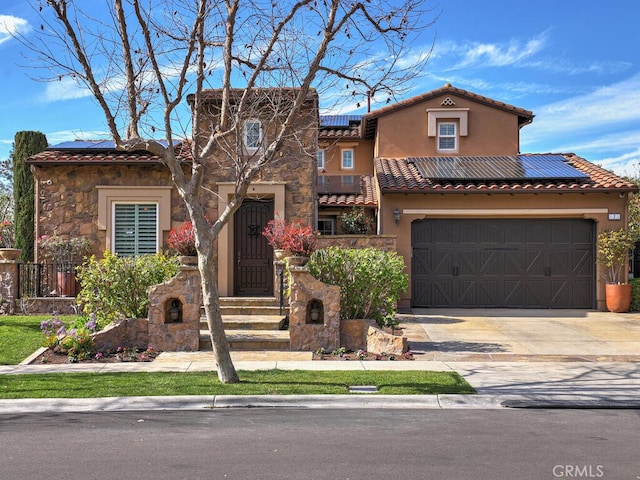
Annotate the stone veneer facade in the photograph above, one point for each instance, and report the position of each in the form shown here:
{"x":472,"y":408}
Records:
{"x":306,"y":335}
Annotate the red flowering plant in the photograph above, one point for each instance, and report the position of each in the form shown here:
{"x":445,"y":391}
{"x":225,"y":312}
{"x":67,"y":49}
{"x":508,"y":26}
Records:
{"x":295,"y":239}
{"x":183,"y":240}
{"x":274,"y":232}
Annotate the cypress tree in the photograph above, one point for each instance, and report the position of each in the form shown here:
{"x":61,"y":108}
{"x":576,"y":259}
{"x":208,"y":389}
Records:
{"x":25,"y":144}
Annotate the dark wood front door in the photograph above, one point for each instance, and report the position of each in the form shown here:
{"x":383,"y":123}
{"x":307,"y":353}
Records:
{"x":253,"y":256}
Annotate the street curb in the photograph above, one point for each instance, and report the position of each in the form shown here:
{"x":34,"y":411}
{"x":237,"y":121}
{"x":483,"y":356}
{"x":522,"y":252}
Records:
{"x":209,"y":402}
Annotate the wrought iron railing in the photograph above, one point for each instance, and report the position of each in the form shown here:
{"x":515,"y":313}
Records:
{"x":47,"y":280}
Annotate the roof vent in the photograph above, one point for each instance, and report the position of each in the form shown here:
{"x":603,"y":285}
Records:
{"x":448,"y":102}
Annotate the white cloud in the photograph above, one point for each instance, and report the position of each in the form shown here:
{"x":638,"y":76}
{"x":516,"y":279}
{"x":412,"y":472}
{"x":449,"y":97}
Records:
{"x":65,"y":89}
{"x":603,"y":108}
{"x":10,"y":26}
{"x":70,"y":135}
{"x":483,"y":54}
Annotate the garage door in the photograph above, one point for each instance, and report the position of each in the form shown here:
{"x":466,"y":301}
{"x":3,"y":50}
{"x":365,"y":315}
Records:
{"x":541,"y":263}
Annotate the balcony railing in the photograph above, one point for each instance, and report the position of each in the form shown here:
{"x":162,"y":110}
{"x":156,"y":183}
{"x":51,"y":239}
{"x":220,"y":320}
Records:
{"x":47,"y":280}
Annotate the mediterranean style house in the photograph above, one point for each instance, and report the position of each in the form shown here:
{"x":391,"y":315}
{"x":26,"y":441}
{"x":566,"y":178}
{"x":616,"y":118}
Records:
{"x":478,"y":223}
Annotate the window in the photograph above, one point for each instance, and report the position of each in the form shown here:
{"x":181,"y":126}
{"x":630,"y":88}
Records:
{"x":320,"y":156}
{"x":347,"y":158}
{"x":327,"y":226}
{"x":447,"y":138}
{"x":135,"y":230}
{"x":252,"y":134}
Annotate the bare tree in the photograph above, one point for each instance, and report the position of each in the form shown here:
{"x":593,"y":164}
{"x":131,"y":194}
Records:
{"x":141,"y":58}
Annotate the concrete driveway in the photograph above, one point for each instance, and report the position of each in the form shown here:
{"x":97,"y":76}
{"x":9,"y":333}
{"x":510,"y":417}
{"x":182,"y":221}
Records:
{"x":522,"y":335}
{"x":545,"y":356}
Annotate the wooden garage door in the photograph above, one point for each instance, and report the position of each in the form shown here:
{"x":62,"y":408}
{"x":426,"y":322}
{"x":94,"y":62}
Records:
{"x":541,"y":263}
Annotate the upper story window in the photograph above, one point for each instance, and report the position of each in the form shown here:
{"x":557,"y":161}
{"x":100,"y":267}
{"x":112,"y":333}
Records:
{"x":447,"y":137}
{"x":348,"y":158}
{"x":320,"y":157}
{"x":252,"y":134}
{"x":135,"y":228}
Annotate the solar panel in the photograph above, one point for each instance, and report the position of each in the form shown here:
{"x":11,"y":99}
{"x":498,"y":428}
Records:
{"x":95,"y":145}
{"x":339,"y":120}
{"x":513,"y":167}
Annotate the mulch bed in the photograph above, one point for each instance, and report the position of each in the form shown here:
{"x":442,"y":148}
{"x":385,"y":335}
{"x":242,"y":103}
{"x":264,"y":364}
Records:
{"x":360,"y":356}
{"x":49,"y":357}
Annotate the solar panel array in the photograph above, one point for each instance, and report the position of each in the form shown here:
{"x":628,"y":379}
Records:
{"x":95,"y":145}
{"x":513,"y":167}
{"x":339,"y":120}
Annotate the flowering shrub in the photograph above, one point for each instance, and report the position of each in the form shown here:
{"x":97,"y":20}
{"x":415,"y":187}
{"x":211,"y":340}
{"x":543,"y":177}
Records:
{"x":77,"y":343}
{"x":116,"y":287}
{"x":7,"y":234}
{"x":274,"y":232}
{"x":292,"y":237}
{"x":183,"y":239}
{"x":370,"y":281}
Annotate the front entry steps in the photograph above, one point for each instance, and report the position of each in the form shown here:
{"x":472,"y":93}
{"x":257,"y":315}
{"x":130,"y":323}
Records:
{"x":251,"y":323}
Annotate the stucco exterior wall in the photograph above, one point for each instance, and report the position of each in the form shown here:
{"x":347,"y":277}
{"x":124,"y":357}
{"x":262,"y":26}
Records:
{"x":491,"y":131}
{"x":363,"y":152}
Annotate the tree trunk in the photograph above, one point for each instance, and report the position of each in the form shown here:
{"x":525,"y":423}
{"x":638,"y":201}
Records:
{"x":211,"y":301}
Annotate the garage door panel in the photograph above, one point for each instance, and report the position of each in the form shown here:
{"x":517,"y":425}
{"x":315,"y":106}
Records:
{"x":508,"y":262}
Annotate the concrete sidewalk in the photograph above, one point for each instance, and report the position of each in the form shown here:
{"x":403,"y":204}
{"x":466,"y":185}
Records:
{"x":516,"y":358}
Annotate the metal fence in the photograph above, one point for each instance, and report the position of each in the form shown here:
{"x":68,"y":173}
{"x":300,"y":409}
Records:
{"x":47,"y":280}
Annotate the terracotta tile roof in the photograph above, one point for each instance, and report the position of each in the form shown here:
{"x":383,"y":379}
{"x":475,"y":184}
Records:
{"x":367,"y":198}
{"x":370,"y":119}
{"x":89,"y":156}
{"x":399,"y":175}
{"x":339,"y":132}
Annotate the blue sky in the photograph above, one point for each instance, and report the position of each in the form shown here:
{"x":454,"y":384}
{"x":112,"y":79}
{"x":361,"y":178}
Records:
{"x":576,"y":65}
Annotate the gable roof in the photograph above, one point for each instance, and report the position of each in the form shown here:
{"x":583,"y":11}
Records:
{"x":402,"y":175}
{"x":370,"y":120}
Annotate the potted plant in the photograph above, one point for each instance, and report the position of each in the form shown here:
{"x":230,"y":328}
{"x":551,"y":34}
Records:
{"x":65,"y":254}
{"x":7,"y":238}
{"x":613,"y":251}
{"x":183,"y":240}
{"x":274,"y":232}
{"x":300,"y":243}
{"x":290,"y":240}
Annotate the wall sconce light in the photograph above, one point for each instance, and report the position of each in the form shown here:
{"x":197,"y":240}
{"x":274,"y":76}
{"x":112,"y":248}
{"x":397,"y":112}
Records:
{"x":396,"y":216}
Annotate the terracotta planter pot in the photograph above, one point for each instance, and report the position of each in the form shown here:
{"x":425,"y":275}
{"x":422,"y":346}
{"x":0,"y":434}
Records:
{"x":618,"y":297}
{"x":10,"y":253}
{"x":188,"y":260}
{"x":297,"y":261}
{"x":67,"y":285}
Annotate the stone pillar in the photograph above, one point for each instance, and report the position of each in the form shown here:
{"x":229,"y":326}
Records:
{"x":174,"y":312}
{"x":305,"y":333}
{"x":9,"y":284}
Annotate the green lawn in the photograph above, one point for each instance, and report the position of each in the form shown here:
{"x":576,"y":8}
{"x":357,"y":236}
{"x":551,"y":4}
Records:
{"x":270,"y":382}
{"x":20,"y":336}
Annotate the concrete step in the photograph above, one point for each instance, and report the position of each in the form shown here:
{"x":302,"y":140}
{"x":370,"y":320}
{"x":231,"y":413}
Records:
{"x":253,"y":310}
{"x":248,"y":322}
{"x":251,"y":340}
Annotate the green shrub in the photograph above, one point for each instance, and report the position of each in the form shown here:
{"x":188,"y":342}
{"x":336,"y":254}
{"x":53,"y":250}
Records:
{"x":356,"y":221}
{"x":370,"y":281}
{"x":635,"y":295}
{"x":116,"y":287}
